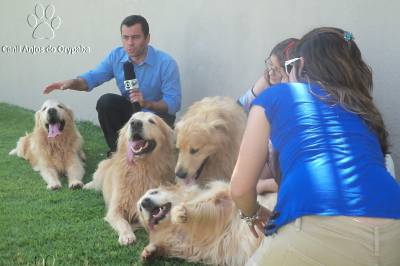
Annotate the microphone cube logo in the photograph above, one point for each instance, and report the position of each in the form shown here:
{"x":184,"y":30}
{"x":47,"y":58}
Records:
{"x":131,"y":85}
{"x":43,"y":22}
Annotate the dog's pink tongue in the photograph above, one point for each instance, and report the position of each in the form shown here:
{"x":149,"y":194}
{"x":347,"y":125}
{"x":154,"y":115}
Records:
{"x":54,"y":130}
{"x":134,"y":145}
{"x":188,"y":181}
{"x":151,"y":224}
{"x":137,"y":144}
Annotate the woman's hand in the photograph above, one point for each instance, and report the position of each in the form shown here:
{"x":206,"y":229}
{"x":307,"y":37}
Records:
{"x":261,"y":221}
{"x":285,"y":77}
{"x":261,"y":84}
{"x":267,"y":78}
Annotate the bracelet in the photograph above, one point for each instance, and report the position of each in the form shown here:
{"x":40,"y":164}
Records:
{"x":250,"y":220}
{"x":252,"y":92}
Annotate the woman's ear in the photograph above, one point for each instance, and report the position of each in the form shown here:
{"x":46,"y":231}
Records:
{"x":285,"y":77}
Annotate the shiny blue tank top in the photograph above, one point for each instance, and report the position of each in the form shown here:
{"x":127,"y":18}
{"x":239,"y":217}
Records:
{"x":331,"y":162}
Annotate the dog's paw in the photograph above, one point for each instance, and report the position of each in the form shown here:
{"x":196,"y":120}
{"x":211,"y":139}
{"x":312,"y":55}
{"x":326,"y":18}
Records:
{"x":89,"y":185}
{"x":179,"y":214}
{"x":76,"y":185}
{"x":147,"y":253}
{"x":127,"y":239}
{"x":54,"y":186}
{"x":82,"y":155}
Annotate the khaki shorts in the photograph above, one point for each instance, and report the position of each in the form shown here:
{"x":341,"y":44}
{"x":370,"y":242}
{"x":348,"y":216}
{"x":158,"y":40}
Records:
{"x":331,"y":241}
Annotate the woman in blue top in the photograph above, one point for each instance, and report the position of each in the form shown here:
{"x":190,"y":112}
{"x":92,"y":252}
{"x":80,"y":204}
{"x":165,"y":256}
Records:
{"x":337,"y":204}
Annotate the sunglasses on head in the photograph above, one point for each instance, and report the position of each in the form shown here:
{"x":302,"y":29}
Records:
{"x":289,"y":64}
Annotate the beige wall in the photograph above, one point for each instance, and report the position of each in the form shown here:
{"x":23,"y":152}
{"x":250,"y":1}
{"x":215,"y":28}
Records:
{"x":219,"y":45}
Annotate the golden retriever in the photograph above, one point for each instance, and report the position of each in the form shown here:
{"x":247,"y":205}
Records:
{"x":144,"y":159}
{"x":197,"y":224}
{"x":54,"y":148}
{"x":208,"y":138}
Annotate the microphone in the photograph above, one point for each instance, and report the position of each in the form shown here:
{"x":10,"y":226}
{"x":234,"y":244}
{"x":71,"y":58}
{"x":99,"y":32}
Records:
{"x":131,"y":83}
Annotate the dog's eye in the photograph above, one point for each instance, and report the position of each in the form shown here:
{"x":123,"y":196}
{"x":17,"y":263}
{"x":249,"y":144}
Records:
{"x":153,"y":192}
{"x":60,"y":106}
{"x":152,"y":121}
{"x":44,"y":108}
{"x":193,"y":151}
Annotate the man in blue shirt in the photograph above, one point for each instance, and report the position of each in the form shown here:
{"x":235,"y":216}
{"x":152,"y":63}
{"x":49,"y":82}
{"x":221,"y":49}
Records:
{"x":157,"y":73}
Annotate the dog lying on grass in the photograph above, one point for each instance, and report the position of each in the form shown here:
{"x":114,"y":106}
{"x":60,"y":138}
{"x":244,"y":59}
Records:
{"x":198,"y":225}
{"x":54,"y":148}
{"x":144,"y":159}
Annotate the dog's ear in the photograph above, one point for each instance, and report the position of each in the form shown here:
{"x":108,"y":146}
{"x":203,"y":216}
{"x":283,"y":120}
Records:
{"x":220,"y":124}
{"x":37,"y":120}
{"x":165,"y":129}
{"x":122,"y":136}
{"x":176,"y":132}
{"x":178,"y":125}
{"x":69,"y":111}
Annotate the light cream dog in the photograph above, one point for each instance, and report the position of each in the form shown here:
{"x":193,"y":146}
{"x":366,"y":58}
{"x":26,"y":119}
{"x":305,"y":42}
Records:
{"x":54,"y":148}
{"x":144,"y":159}
{"x":208,"y":138}
{"x":198,"y":225}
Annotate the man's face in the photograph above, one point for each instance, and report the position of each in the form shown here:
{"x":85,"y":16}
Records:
{"x":134,"y":41}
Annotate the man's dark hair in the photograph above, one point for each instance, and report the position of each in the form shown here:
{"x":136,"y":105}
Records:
{"x":136,"y":19}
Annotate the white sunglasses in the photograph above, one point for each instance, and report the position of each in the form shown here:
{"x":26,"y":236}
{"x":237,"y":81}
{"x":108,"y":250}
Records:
{"x":289,"y":64}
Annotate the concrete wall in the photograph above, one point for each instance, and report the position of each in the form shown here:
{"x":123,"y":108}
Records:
{"x":219,"y":45}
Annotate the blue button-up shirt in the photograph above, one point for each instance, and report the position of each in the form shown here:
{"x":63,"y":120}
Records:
{"x":158,"y":76}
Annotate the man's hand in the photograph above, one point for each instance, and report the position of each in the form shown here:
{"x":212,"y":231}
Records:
{"x":137,"y":96}
{"x":61,"y":85}
{"x":77,"y":84}
{"x":159,"y":106}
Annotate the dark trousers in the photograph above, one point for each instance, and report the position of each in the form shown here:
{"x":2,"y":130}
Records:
{"x":114,"y":111}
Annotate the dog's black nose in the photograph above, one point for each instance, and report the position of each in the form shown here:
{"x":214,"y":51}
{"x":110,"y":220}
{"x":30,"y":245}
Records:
{"x":52,"y":111}
{"x":52,"y":115}
{"x":148,"y":204}
{"x":181,"y":174}
{"x":136,"y":125}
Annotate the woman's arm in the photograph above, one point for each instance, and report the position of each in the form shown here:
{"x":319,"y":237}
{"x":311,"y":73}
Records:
{"x":246,"y":99}
{"x":252,"y":156}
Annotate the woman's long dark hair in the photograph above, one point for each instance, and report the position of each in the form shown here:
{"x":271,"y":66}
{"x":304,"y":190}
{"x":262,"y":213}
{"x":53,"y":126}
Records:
{"x":333,"y":60}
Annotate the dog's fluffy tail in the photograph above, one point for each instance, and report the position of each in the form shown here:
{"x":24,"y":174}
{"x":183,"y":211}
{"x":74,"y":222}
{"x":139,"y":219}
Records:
{"x":18,"y":150}
{"x":98,"y":177}
{"x":13,"y":152}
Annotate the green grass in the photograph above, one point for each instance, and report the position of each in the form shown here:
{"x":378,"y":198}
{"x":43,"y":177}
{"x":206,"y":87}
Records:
{"x":65,"y":226}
